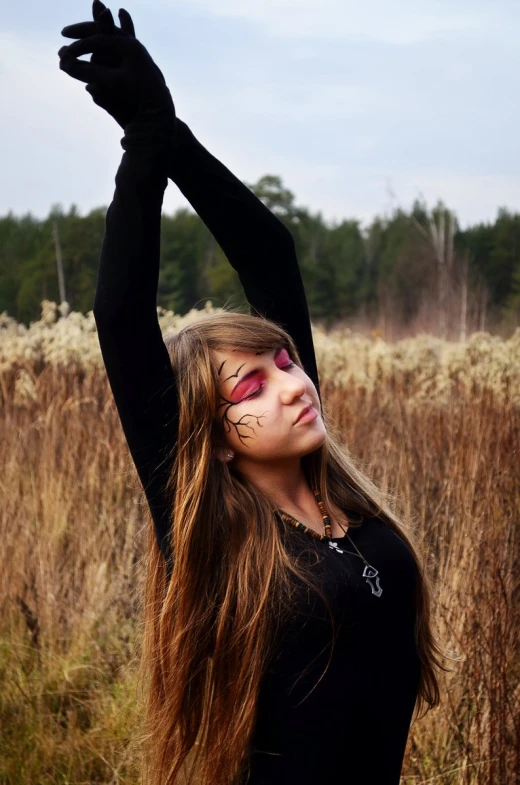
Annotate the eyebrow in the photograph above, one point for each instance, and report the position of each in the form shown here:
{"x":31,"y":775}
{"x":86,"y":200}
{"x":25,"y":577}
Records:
{"x":250,"y":373}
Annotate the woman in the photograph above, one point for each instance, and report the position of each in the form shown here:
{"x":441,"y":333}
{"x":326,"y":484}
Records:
{"x":287,"y":614}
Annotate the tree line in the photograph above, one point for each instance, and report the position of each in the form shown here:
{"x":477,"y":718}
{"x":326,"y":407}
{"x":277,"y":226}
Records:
{"x":413,"y":269}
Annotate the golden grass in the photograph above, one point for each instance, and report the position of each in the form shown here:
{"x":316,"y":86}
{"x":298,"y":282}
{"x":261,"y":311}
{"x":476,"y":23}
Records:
{"x":71,"y":532}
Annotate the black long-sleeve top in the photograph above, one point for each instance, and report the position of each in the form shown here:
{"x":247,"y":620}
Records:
{"x":351,"y":724}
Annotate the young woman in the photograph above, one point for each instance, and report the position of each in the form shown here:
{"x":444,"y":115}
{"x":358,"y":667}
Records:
{"x":288,"y":634}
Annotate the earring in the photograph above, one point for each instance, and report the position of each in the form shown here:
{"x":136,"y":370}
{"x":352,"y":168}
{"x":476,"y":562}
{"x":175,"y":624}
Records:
{"x":230,"y":455}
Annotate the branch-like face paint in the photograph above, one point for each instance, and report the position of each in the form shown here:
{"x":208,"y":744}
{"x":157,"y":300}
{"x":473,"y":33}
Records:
{"x":249,"y":386}
{"x":261,"y":397}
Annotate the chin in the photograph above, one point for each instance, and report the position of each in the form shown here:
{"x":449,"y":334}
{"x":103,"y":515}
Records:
{"x":315,"y":443}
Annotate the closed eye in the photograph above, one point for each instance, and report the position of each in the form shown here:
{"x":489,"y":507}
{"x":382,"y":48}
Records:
{"x":256,"y":393}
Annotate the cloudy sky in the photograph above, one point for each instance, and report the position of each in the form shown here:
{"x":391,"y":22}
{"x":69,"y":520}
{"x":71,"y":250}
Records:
{"x":358,"y":106}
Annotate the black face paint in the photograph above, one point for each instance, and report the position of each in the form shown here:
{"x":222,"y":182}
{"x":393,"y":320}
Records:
{"x":226,"y":422}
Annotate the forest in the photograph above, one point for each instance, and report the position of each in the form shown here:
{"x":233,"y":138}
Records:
{"x":406,"y":272}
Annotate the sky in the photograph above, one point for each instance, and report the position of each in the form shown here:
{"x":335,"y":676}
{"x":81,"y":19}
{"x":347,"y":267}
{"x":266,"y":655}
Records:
{"x":360,"y":107}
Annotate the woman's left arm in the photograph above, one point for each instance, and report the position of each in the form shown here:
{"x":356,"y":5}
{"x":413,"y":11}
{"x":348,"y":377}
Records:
{"x":257,"y":244}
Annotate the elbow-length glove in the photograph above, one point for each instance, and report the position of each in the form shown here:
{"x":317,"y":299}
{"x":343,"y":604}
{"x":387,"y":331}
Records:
{"x":121,"y":76}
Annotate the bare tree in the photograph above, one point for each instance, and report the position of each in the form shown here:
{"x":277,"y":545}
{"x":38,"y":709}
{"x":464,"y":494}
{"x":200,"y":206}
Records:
{"x":59,"y":262}
{"x":439,"y":233}
{"x":464,"y":298}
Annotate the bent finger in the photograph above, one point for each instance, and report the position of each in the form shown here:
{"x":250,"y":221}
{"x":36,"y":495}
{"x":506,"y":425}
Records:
{"x":97,"y":93}
{"x":127,"y":25}
{"x":109,"y":44}
{"x":97,"y":9}
{"x":84,"y":71}
{"x":106,"y":22}
{"x":80,"y":30}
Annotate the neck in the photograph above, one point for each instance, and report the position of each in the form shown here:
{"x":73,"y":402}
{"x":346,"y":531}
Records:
{"x":285,"y":485}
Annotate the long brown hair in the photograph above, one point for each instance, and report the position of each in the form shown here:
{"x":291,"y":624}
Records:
{"x":209,"y":628}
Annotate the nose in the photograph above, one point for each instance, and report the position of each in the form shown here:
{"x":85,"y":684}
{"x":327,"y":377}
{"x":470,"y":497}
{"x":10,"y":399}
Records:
{"x":293,"y":388}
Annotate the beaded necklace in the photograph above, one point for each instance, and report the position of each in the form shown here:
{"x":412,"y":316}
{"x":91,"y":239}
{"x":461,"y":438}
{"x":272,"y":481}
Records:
{"x":369,"y":573}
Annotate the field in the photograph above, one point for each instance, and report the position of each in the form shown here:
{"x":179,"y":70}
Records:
{"x":436,"y":422}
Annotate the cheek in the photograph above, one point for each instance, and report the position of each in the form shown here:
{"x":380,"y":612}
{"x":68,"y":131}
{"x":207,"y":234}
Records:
{"x":255,"y":418}
{"x":250,"y":413}
{"x":254,"y":407}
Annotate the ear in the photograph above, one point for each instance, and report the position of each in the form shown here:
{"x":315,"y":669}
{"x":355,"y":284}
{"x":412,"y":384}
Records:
{"x":225,"y":454}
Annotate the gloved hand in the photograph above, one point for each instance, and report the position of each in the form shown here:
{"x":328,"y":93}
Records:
{"x":121,"y":76}
{"x":115,"y":105}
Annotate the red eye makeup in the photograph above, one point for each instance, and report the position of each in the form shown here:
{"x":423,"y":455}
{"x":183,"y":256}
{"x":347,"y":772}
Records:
{"x":283,"y":358}
{"x":247,"y":386}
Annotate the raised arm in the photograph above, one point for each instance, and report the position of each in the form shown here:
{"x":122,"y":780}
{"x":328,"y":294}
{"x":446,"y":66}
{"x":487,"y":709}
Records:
{"x":258,"y":245}
{"x":134,"y":354}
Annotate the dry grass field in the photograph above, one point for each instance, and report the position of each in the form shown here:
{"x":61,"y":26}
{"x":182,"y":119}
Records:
{"x":437,"y":423}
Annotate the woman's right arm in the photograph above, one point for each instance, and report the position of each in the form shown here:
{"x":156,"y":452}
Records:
{"x":257,"y":244}
{"x":133,"y":350}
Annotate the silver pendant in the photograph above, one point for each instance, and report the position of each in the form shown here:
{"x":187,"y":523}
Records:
{"x":369,"y":573}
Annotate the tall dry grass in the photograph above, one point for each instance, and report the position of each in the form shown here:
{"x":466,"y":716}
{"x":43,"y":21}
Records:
{"x":72,"y":540}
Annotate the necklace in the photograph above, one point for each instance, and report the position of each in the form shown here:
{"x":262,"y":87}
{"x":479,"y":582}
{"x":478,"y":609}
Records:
{"x":370,"y":574}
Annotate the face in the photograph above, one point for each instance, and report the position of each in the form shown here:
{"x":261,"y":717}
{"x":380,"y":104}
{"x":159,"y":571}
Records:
{"x":261,"y":397}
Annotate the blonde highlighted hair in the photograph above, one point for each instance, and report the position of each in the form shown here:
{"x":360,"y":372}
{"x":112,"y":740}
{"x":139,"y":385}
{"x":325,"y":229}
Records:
{"x":210,"y":628}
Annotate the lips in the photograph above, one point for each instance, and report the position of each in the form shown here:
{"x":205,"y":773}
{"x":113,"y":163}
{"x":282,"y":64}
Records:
{"x":303,"y":411}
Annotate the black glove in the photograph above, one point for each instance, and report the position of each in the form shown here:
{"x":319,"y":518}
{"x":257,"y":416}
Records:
{"x":121,"y":76}
{"x":116,"y":105}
